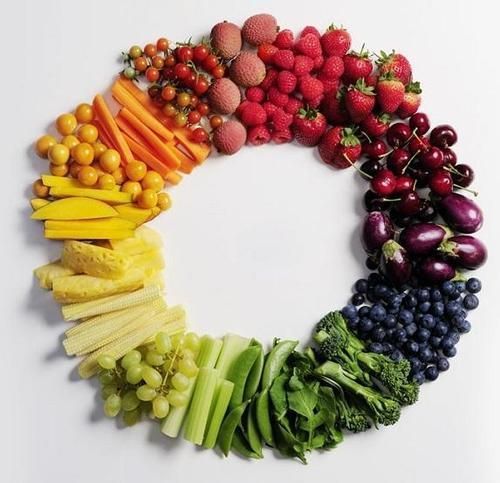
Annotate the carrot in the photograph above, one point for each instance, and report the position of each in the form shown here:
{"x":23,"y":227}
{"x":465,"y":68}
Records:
{"x":134,"y":106}
{"x":173,"y":177}
{"x":107,"y":120}
{"x":165,"y":152}
{"x":103,"y":135}
{"x":197,"y":150}
{"x":187,"y":164}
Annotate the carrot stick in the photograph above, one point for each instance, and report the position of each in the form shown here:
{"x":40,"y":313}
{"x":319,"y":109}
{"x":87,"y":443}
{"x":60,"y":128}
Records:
{"x":187,"y":164}
{"x":108,"y":121}
{"x":165,"y":153}
{"x":173,"y":177}
{"x":103,"y":135}
{"x":135,"y":107}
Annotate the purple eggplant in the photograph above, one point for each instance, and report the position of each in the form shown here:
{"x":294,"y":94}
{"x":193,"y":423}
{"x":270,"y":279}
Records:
{"x":435,"y":270}
{"x":422,"y":238}
{"x":377,"y":229}
{"x":461,"y":213}
{"x":465,"y":250}
{"x":396,"y":263}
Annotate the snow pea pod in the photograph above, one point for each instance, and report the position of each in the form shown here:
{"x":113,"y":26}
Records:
{"x":252,"y":432}
{"x":228,"y":428}
{"x":263,"y":417}
{"x":241,"y":446}
{"x":239,"y":372}
{"x":276,"y":360}
{"x":255,"y":374}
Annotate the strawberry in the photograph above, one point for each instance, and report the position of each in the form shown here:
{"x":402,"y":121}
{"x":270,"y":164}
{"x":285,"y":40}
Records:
{"x":310,"y":87}
{"x":284,"y":39}
{"x":270,"y":108}
{"x":293,"y":105}
{"x":266,"y":53}
{"x":359,"y":100}
{"x":281,"y":137}
{"x":310,"y":30}
{"x":286,"y":82}
{"x":329,"y":85}
{"x":253,"y":114}
{"x":372,"y":79}
{"x":255,"y":94}
{"x":269,"y":80}
{"x":333,"y":67}
{"x":276,"y":97}
{"x":398,"y":64}
{"x":390,"y":93}
{"x":284,"y":59}
{"x":356,"y":65}
{"x":333,"y":107}
{"x":411,"y":100}
{"x":336,"y":41}
{"x":281,"y":120}
{"x":339,"y":147}
{"x":376,"y":125}
{"x":309,"y":45}
{"x":316,"y":102}
{"x":258,"y":135}
{"x":308,"y":126}
{"x":303,"y":65}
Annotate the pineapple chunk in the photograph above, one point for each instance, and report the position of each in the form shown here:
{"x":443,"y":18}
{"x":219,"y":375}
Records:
{"x":46,"y":274}
{"x":147,"y":261}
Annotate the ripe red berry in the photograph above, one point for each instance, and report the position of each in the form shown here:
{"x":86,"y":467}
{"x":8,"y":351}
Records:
{"x":398,"y":134}
{"x":384,"y":182}
{"x":309,"y":45}
{"x":286,"y":82}
{"x":310,"y":87}
{"x":258,"y":135}
{"x":284,"y":59}
{"x":302,"y":65}
{"x":199,"y":135}
{"x":441,"y":182}
{"x":276,"y":97}
{"x":281,"y":137}
{"x":284,"y":39}
{"x":266,"y":53}
{"x":253,"y":114}
{"x":255,"y":94}
{"x":336,"y":41}
{"x":269,"y":80}
{"x":419,"y":123}
{"x":281,"y":120}
{"x":333,"y":67}
{"x":433,"y":158}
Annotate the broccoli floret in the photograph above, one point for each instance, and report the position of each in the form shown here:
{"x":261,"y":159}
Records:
{"x":406,"y":394}
{"x":351,"y":417}
{"x":382,"y":410}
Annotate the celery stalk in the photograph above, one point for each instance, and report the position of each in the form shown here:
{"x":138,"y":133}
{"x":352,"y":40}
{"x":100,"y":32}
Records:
{"x":232,"y":347}
{"x":209,"y":351}
{"x":219,"y":411}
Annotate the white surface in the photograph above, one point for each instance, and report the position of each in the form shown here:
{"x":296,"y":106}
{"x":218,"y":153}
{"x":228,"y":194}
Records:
{"x":262,"y":244}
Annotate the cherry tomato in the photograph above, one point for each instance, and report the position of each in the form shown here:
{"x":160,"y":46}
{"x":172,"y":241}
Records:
{"x":194,"y":100}
{"x":201,"y":85}
{"x":141,"y":64}
{"x":152,"y":180}
{"x":88,"y":176}
{"x":164,"y":202}
{"x":88,"y":133}
{"x":110,"y":160}
{"x":218,"y":71}
{"x":59,"y":154}
{"x":203,"y":108}
{"x":74,"y":168}
{"x":66,"y":124}
{"x":119,"y":175}
{"x":168,"y":93}
{"x":70,"y":141}
{"x":169,"y":110}
{"x":106,"y":182}
{"x":154,"y":91}
{"x":181,"y":71}
{"x":210,"y":62}
{"x":152,"y":74}
{"x":99,"y":148}
{"x":190,"y":80}
{"x":180,"y":119}
{"x":199,"y":135}
{"x":84,"y":113}
{"x":129,"y":73}
{"x":132,"y":187}
{"x":43,"y":145}
{"x":147,"y":199}
{"x":134,"y":52}
{"x":162,"y":44}
{"x":39,"y":189}
{"x":183,"y":99}
{"x":194,"y":117}
{"x":216,"y":121}
{"x":170,"y":60}
{"x":150,"y":50}
{"x":157,"y":62}
{"x":184,"y":54}
{"x":58,"y":170}
{"x":200,"y":53}
{"x":136,"y":170}
{"x":83,"y":154}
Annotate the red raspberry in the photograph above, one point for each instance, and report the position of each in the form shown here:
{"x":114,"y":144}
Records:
{"x":282,"y":120}
{"x":293,"y":105}
{"x":253,"y":114}
{"x":269,"y":80}
{"x":258,"y":135}
{"x":318,"y":62}
{"x":255,"y":94}
{"x":333,"y":68}
{"x":309,"y":45}
{"x":270,"y":109}
{"x":266,"y":53}
{"x":310,"y":30}
{"x":286,"y":82}
{"x":240,"y":108}
{"x":329,"y":85}
{"x":281,"y":137}
{"x":316,"y":102}
{"x":303,"y":65}
{"x":276,"y":97}
{"x":284,"y":59}
{"x":284,"y":39}
{"x":310,"y":87}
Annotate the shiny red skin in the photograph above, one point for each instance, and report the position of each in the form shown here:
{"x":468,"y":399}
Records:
{"x":376,"y":149}
{"x":418,"y":144}
{"x":433,"y":158}
{"x":356,"y":67}
{"x":374,"y":125}
{"x":403,"y":183}
{"x":420,"y":123}
{"x":334,"y":153}
{"x":465,"y":176}
{"x":441,"y":183}
{"x":398,"y":160}
{"x":443,"y":136}
{"x":384,"y":182}
{"x":398,"y":134}
{"x":409,"y":204}
{"x":450,"y":157}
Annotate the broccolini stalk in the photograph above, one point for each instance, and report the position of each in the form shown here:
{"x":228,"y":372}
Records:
{"x":351,"y":417}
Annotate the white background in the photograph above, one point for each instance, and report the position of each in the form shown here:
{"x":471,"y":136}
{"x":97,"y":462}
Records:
{"x":262,"y":244}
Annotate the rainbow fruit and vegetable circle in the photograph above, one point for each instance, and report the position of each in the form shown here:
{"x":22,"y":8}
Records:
{"x":113,"y":166}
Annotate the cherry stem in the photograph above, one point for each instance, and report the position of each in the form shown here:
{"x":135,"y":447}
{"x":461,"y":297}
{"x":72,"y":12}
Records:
{"x":366,"y":136}
{"x":475,"y":193}
{"x":382,"y":156}
{"x":359,"y":170}
{"x":451,"y":169}
{"x":409,"y":162}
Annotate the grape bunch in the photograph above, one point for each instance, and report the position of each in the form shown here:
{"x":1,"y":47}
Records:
{"x":149,"y":379}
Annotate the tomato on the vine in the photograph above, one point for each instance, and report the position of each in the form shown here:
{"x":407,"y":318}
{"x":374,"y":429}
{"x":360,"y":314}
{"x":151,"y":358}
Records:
{"x":190,"y":80}
{"x":169,"y":110}
{"x":194,"y":117}
{"x":180,"y":119}
{"x":134,"y":52}
{"x":183,"y":99}
{"x":141,"y":64}
{"x":168,"y":93}
{"x":168,"y":73}
{"x":218,"y":71}
{"x":181,"y":71}
{"x":199,"y":135}
{"x":157,"y":62}
{"x":210,"y":62}
{"x":150,"y":50}
{"x":152,"y":74}
{"x":170,"y":60}
{"x":216,"y":121}
{"x":200,"y":53}
{"x":194,"y":100}
{"x":203,"y":108}
{"x":184,"y":53}
{"x":162,"y":44}
{"x":201,"y":85}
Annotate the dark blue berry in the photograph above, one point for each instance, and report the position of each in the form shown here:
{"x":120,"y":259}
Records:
{"x":448,"y":287}
{"x":423,"y":334}
{"x":378,"y":334}
{"x":357,"y":299}
{"x":455,"y":295}
{"x":450,"y":351}
{"x":460,"y":286}
{"x":451,"y":308}
{"x":371,"y":297}
{"x":473,"y":285}
{"x":464,"y":327}
{"x":380,"y":291}
{"x":415,"y":363}
{"x":454,"y":336}
{"x":431,"y":373}
{"x":388,"y":347}
{"x":353,"y":323}
{"x":419,"y":378}
{"x":435,"y":342}
{"x":411,"y":329}
{"x":364,"y":311}
{"x":412,"y":347}
{"x":410,"y":301}
{"x":437,"y":309}
{"x":428,"y":321}
{"x":440,"y":329}
{"x":378,"y":313}
{"x":423,"y":295}
{"x":442,"y":364}
{"x":396,"y":355}
{"x":424,"y":307}
{"x":470,"y":302}
{"x":366,"y":324}
{"x":361,"y":285}
{"x":376,"y":347}
{"x":390,"y":321}
{"x":436,"y":295}
{"x":374,"y":278}
{"x":399,"y":335}
{"x":405,"y":317}
{"x":425,"y":354}
{"x":350,"y":312}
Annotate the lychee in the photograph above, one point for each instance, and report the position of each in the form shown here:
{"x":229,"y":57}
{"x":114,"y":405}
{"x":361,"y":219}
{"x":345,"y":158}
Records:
{"x":229,"y":137}
{"x":226,"y":39}
{"x":247,"y":69}
{"x":224,"y":96}
{"x":260,"y":29}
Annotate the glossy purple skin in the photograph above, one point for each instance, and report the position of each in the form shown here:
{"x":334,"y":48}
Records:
{"x":466,"y":251}
{"x":422,"y":238}
{"x":396,"y":263}
{"x":461,"y":213}
{"x":377,"y":229}
{"x":434,"y":270}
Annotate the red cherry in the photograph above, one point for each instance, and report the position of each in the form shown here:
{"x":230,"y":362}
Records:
{"x":450,"y":157}
{"x":441,"y":183}
{"x":433,"y":158}
{"x":376,"y":149}
{"x":184,"y":54}
{"x":398,"y":160}
{"x":403,"y":183}
{"x":409,"y":204}
{"x":384,"y":182}
{"x":398,"y":134}
{"x":418,"y":144}
{"x":443,"y":136}
{"x":419,"y":123}
{"x":370,"y":168}
{"x":465,"y":175}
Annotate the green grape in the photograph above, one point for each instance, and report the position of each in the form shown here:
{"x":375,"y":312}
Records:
{"x":151,"y":377}
{"x":177,"y":399}
{"x":180,"y":381}
{"x":178,"y":341}
{"x":188,"y":367}
{"x":131,"y":417}
{"x":145,"y":393}
{"x":192,"y":341}
{"x":112,"y":405}
{"x":188,"y":354}
{"x":108,"y":390}
{"x":106,"y":377}
{"x":134,"y":374}
{"x":163,"y":343}
{"x":130,"y":401}
{"x":130,"y":359}
{"x":106,"y":362}
{"x":154,"y":358}
{"x":161,"y":407}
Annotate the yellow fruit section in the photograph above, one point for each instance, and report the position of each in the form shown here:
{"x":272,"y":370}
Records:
{"x":112,"y":197}
{"x":46,"y":274}
{"x":77,"y":208}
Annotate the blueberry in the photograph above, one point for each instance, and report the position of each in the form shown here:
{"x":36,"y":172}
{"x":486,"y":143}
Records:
{"x":372,"y":263}
{"x":435,"y":342}
{"x":454,"y":336}
{"x":423,"y":334}
{"x":366,"y":324}
{"x":353,"y":323}
{"x":388,"y":347}
{"x":447,"y":342}
{"x":349,"y":312}
{"x":378,"y":334}
{"x":410,"y":301}
{"x":448,"y":287}
{"x":457,"y":319}
{"x":428,"y":321}
{"x":440,"y":329}
{"x":363,"y":311}
{"x":371,"y":296}
{"x":455,"y":295}
{"x":390,"y":333}
{"x":395,"y":300}
{"x":437,"y":309}
{"x":451,"y":308}
{"x":378,"y":313}
{"x":396,"y":355}
{"x":464,"y":327}
{"x":357,"y":299}
{"x":374,"y":278}
{"x":390,"y":321}
{"x":405,"y":317}
{"x":375,"y":347}
{"x":400,"y":335}
{"x":424,"y":307}
{"x":423,"y":295}
{"x":473,"y":285}
{"x":460,"y":286}
{"x":431,"y":373}
{"x":450,"y":351}
{"x":415,"y":363}
{"x":470,"y":302}
{"x":419,"y":378}
{"x":442,"y":364}
{"x":425,"y":355}
{"x":380,"y":291}
{"x":436,"y":295}
{"x":361,"y":285}
{"x":392,"y":310}
{"x":412,"y":347}
{"x":411,"y":329}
